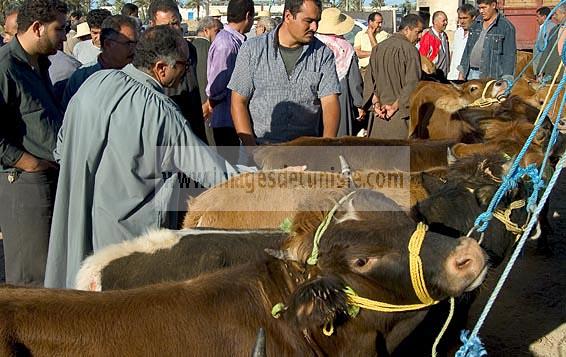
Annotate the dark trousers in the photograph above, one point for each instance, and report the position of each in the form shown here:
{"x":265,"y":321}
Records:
{"x":227,"y":143}
{"x":26,"y":211}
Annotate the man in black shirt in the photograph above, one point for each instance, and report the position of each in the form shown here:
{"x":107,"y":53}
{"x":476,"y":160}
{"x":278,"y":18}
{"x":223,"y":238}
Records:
{"x":31,"y":118}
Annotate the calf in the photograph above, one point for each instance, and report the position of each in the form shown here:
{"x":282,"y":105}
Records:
{"x":364,"y":247}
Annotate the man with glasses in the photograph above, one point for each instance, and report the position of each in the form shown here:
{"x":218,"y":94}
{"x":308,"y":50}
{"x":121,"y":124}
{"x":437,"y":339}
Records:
{"x":186,"y":95}
{"x":122,"y":144}
{"x":118,"y":39}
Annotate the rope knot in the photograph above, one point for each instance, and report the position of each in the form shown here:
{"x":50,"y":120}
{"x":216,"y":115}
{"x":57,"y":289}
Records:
{"x":472,"y":347}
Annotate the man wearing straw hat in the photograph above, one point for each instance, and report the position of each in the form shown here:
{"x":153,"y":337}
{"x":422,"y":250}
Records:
{"x":285,"y":83}
{"x":331,"y":29}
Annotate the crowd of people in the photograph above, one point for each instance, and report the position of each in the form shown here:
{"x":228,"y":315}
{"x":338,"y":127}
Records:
{"x":95,"y":111}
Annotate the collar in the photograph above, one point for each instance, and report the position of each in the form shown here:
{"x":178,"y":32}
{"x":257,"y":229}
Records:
{"x":201,"y":37}
{"x":480,"y":20}
{"x":436,"y":33}
{"x":234,"y":33}
{"x":20,"y":54}
{"x":142,"y":77}
{"x":400,"y":36}
{"x":273,"y":38}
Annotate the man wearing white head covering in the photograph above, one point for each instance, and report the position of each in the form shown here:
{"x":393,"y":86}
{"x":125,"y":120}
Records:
{"x":331,"y":28}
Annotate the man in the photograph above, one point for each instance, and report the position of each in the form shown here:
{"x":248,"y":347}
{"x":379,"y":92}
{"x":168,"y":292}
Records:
{"x":121,"y":136}
{"x":434,"y":44}
{"x":221,"y":62}
{"x":88,"y":51}
{"x":394,"y":71}
{"x":132,"y":11}
{"x":491,"y":50}
{"x":366,"y":40}
{"x":466,"y":15}
{"x":208,"y":28}
{"x":542,"y":36}
{"x":550,"y":58}
{"x":186,"y":95}
{"x":264,"y":25}
{"x":285,"y":82}
{"x":74,"y":19}
{"x":118,"y":38}
{"x":28,"y":174}
{"x":10,"y":23}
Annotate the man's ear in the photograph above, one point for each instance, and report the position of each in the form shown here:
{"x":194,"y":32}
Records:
{"x":37,"y":28}
{"x":318,"y":302}
{"x":159,"y":68}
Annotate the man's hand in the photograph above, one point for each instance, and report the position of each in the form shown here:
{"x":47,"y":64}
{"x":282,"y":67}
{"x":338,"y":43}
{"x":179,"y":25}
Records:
{"x":361,"y":114}
{"x":206,"y":110}
{"x":390,"y":109}
{"x":30,"y":163}
{"x":461,"y":76}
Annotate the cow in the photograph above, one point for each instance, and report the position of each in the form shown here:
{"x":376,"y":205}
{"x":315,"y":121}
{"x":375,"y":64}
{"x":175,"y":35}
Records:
{"x":265,"y":199}
{"x":364,"y":248}
{"x":321,"y":154}
{"x":433,"y":105}
{"x":522,"y":61}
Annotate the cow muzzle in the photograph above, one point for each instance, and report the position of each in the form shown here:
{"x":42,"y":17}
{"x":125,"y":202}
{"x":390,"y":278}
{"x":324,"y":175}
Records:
{"x":466,"y":267}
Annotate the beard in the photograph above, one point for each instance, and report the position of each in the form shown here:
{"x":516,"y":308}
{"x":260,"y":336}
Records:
{"x":46,"y":46}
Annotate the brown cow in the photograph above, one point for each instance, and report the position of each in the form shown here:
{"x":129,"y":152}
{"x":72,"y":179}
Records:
{"x":433,"y":106}
{"x":265,"y":199}
{"x":522,"y":60}
{"x":321,"y":154}
{"x":219,"y":314}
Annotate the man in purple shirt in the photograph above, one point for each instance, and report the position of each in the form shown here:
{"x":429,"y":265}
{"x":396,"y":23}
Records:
{"x":221,"y":63}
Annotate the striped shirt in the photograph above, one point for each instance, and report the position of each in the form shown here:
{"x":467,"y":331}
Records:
{"x":284,"y":107}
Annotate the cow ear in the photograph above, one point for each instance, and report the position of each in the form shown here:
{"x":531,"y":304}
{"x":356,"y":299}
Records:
{"x":318,"y":302}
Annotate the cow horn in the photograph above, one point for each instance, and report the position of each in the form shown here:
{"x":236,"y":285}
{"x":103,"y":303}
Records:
{"x":280,"y":254}
{"x":450,"y":157}
{"x":259,"y":346}
{"x":346,"y":171}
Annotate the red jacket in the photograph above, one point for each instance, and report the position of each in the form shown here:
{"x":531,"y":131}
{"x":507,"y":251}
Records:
{"x":429,"y":46}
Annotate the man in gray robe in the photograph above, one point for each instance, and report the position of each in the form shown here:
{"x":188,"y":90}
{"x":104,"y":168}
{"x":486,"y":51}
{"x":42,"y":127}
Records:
{"x":121,"y":146}
{"x":395,"y":69}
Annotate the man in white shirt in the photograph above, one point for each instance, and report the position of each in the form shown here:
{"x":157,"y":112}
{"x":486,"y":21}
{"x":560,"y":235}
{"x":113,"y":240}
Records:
{"x":88,"y":51}
{"x":366,"y":40}
{"x":466,"y":15}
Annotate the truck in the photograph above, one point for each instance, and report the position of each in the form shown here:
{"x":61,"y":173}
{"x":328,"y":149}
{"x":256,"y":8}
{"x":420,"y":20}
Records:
{"x":521,"y":13}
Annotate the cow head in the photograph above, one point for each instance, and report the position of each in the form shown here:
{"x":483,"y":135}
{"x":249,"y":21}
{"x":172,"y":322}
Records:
{"x":470,"y":185}
{"x":365,"y":247}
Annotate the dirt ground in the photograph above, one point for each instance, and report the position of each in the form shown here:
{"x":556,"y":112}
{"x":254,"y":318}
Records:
{"x":529,"y":316}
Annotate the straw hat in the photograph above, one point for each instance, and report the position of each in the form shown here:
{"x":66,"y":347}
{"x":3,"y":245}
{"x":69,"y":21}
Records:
{"x":333,"y":22}
{"x":82,"y":30}
{"x":215,"y":13}
{"x":262,"y":13}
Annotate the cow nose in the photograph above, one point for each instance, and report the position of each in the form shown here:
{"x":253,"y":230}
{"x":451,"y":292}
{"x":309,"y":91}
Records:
{"x":466,"y":265}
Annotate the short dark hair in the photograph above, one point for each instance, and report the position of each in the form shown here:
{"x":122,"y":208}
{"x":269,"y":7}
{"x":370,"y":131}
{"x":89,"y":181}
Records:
{"x":469,"y":10}
{"x":372,"y":16}
{"x":44,"y":11}
{"x":129,"y":9}
{"x":237,"y":10}
{"x":487,"y":2}
{"x":410,"y":21}
{"x":163,"y":6}
{"x":77,"y":14}
{"x":96,"y":17}
{"x":111,"y":26}
{"x":294,"y":6}
{"x":158,"y":43}
{"x":543,"y":11}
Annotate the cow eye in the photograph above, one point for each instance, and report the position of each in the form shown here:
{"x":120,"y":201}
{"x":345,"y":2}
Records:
{"x":360,"y":262}
{"x":473,"y":88}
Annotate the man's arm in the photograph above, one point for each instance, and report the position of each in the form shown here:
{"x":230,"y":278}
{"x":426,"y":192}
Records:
{"x":219,"y":70}
{"x":358,"y":46}
{"x":509,"y":52}
{"x":241,"y":119}
{"x":330,"y":115}
{"x":242,"y":87}
{"x":412,"y":77}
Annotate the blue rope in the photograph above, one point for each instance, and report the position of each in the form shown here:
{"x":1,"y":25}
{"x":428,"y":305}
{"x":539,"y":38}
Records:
{"x":472,"y":345}
{"x":510,"y":181}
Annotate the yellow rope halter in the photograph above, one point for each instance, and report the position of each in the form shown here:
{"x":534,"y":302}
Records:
{"x":484,"y":102}
{"x":505,"y":217}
